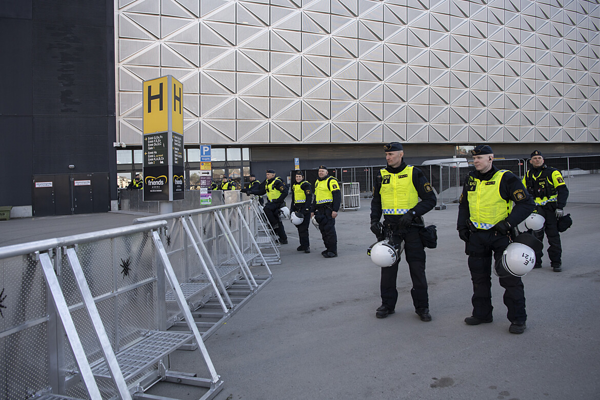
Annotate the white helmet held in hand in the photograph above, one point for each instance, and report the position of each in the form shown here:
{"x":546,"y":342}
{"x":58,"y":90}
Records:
{"x":284,"y":212}
{"x":535,"y":222}
{"x":297,"y":218}
{"x":517,"y":260}
{"x":383,"y":254}
{"x":314,"y":222}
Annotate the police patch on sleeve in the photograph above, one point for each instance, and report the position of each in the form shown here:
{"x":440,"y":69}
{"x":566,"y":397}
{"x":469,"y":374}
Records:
{"x":519,"y":195}
{"x":427,"y":187}
{"x":560,"y":180}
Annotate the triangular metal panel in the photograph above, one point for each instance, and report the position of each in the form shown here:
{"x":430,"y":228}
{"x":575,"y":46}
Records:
{"x":218,"y":107}
{"x":246,"y":111}
{"x":286,"y":109}
{"x":393,"y":132}
{"x":292,"y":128}
{"x":292,"y":39}
{"x":370,"y":132}
{"x":316,"y":132}
{"x":132,"y":30}
{"x":286,"y":86}
{"x":258,"y":37}
{"x":208,"y":134}
{"x":150,"y":23}
{"x":227,"y":128}
{"x":188,"y":53}
{"x":279,"y":135}
{"x":253,"y":131}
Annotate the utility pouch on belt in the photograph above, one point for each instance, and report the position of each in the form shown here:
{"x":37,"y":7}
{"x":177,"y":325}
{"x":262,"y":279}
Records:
{"x":428,"y":235}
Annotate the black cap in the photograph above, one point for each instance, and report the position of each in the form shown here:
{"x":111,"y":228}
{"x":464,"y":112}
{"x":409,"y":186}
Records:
{"x":536,"y":153}
{"x":481,"y":150}
{"x":270,"y":171}
{"x":252,"y":176}
{"x":299,"y":173}
{"x":394,"y":146}
{"x":322,"y":167}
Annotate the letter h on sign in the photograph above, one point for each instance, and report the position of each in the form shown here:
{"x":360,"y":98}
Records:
{"x":158,"y":97}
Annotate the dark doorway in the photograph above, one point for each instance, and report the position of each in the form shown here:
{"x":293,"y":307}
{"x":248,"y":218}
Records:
{"x":67,"y":194}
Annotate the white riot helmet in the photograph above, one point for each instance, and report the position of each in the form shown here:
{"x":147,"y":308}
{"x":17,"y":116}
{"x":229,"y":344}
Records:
{"x":383,"y":254}
{"x":297,"y":218}
{"x":314,"y":222}
{"x":535,"y":222}
{"x":517,"y":260}
{"x":284,"y":212}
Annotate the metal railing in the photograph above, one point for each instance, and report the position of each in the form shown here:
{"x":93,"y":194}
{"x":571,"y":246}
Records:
{"x":350,"y":196}
{"x":218,"y":260}
{"x":84,"y":317}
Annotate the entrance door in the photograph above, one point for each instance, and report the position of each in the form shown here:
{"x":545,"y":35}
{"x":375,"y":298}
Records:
{"x":83,"y":199}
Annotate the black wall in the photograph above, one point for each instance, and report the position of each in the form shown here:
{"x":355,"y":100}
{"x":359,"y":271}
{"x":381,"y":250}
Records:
{"x":57,"y":92}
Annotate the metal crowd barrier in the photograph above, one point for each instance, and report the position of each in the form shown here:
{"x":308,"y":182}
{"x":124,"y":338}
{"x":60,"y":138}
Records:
{"x":351,"y":196}
{"x":217,"y":255}
{"x":85,"y":317}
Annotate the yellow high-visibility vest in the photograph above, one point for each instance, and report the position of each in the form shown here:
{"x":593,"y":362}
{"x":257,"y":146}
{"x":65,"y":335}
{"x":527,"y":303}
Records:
{"x":486,"y":206}
{"x":299,"y":195}
{"x":398,"y":193}
{"x":324,"y":190}
{"x":272,"y":193}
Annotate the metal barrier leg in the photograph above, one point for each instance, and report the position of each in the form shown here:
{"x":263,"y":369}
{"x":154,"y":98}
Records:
{"x":92,"y":310}
{"x":172,"y":278}
{"x":236,"y":250}
{"x":69,"y":325}
{"x":205,"y":267}
{"x":253,"y":241}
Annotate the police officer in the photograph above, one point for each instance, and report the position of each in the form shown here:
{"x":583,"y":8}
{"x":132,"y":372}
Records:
{"x":301,"y":202}
{"x":214,"y":185}
{"x":136,"y":183}
{"x":486,"y":217}
{"x":550,"y":194}
{"x":326,"y":203}
{"x":254,"y":182}
{"x":276,"y":192}
{"x":226,"y":184}
{"x":398,"y":188}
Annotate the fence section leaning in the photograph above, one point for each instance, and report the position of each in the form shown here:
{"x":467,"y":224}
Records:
{"x":218,"y":258}
{"x":85,"y":317}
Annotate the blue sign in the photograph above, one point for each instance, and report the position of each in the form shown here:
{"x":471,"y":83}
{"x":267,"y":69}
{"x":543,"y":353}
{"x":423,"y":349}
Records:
{"x":205,"y":155}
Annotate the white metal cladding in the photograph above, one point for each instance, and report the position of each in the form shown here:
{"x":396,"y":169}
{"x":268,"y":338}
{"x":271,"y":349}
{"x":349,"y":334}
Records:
{"x":349,"y":71}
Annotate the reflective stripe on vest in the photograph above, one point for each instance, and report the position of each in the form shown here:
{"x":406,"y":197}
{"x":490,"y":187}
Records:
{"x":272,"y":193}
{"x":299,"y":195}
{"x":323,"y":194}
{"x":486,"y":206}
{"x":398,"y":193}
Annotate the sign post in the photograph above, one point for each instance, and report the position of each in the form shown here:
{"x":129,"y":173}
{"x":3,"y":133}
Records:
{"x":163,"y":141}
{"x":205,"y":174}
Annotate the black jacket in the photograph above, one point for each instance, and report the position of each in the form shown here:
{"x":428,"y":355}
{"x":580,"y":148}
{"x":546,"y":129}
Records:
{"x":302,"y":207}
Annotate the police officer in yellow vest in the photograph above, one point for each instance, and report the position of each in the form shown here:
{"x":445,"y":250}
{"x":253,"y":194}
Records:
{"x":486,"y":218}
{"x":301,"y":202}
{"x":550,"y":194}
{"x":325,"y":207}
{"x":226,"y":184}
{"x":396,"y":193}
{"x":276,"y":191}
{"x":255,"y":182}
{"x":136,"y":183}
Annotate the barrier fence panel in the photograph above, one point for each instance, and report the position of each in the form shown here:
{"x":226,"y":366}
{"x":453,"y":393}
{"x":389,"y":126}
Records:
{"x":218,"y":260}
{"x":99,"y":331}
{"x":351,"y":196}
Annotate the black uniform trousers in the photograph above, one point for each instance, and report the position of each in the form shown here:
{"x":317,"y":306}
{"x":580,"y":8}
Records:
{"x":415,"y":257}
{"x":303,"y":231}
{"x":480,"y":247}
{"x":551,"y":228}
{"x":271,"y":210}
{"x":327,"y":227}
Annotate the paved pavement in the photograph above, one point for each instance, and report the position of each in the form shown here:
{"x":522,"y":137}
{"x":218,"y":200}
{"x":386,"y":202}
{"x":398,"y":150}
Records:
{"x":312,"y":333}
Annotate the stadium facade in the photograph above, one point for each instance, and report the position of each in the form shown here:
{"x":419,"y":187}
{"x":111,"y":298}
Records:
{"x":269,"y":81}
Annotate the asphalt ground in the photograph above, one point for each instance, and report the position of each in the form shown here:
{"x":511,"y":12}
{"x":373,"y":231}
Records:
{"x":312,"y":333}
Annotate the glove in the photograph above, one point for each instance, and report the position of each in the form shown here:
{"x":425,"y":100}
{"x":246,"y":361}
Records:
{"x":407,"y":219}
{"x":559,"y":213}
{"x":377,"y":228}
{"x":503,"y":227}
{"x":464,"y":234}
{"x":244,"y":190}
